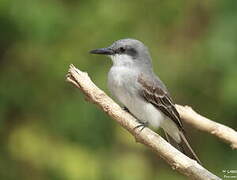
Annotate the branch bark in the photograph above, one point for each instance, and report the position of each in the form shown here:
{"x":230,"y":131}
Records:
{"x":172,"y":156}
{"x":192,"y":118}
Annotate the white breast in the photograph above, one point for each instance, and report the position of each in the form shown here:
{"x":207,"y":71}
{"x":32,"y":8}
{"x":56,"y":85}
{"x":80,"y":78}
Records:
{"x":122,"y":84}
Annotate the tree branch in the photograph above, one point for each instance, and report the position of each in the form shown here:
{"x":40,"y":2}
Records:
{"x":192,"y":118}
{"x":172,"y":156}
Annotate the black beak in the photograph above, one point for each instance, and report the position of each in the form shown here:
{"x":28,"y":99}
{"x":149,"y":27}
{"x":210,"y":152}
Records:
{"x":105,"y":51}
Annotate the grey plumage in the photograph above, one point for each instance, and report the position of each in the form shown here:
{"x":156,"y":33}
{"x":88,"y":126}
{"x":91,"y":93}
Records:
{"x":132,"y":81}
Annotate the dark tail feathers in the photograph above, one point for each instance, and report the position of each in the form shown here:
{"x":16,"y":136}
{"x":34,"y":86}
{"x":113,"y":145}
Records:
{"x":183,"y":146}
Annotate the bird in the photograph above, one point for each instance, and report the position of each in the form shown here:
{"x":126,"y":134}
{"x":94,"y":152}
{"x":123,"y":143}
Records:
{"x":132,"y":81}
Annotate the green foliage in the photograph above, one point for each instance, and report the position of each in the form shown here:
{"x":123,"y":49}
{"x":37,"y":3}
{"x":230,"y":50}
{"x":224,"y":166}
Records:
{"x":48,"y":130}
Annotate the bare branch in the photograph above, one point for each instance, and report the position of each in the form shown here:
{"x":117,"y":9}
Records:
{"x":172,"y":156}
{"x":192,"y":118}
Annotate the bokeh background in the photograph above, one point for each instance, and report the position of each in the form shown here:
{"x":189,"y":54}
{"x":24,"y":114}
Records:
{"x":49,"y":132}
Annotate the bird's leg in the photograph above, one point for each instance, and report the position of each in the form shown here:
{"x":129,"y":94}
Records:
{"x":142,"y":125}
{"x":126,"y":109}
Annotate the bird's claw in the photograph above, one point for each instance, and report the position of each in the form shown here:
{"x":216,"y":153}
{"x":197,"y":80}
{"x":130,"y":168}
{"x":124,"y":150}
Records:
{"x":126,"y":109}
{"x":141,"y":125}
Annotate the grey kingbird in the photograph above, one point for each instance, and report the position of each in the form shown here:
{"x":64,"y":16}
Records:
{"x":132,"y":81}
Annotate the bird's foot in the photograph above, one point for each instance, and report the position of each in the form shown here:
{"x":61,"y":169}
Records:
{"x":142,"y":125}
{"x":126,"y":109}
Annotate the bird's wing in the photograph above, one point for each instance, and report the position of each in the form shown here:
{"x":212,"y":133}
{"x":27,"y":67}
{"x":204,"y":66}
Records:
{"x":154,"y":92}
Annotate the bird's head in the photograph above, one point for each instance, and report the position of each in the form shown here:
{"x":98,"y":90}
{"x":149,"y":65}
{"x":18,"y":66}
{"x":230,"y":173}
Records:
{"x":126,"y":52}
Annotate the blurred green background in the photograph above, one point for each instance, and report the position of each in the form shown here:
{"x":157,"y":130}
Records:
{"x":49,"y":132}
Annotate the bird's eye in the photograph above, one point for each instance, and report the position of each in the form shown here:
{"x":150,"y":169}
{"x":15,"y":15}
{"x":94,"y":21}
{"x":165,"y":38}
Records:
{"x":121,"y":49}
